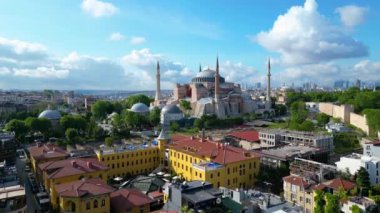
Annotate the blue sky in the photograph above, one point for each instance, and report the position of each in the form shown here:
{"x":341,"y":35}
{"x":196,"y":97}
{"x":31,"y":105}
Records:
{"x":103,"y":44}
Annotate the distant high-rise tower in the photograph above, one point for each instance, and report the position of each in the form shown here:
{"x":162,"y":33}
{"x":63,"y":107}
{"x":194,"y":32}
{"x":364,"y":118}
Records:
{"x":268,"y":81}
{"x":158,"y":79}
{"x":217,"y":80}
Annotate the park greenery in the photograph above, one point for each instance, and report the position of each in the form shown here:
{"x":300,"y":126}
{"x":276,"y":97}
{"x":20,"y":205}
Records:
{"x":83,"y":127}
{"x":298,"y":119}
{"x":211,"y":121}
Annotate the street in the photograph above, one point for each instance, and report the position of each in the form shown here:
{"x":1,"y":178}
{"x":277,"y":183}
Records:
{"x":31,"y":202}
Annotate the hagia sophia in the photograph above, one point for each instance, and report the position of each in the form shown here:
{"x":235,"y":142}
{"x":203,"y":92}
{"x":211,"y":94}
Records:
{"x":209,"y":93}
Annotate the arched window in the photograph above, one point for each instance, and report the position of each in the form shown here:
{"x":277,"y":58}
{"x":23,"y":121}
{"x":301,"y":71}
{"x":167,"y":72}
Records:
{"x":103,"y":202}
{"x":88,"y":205}
{"x":95,"y":203}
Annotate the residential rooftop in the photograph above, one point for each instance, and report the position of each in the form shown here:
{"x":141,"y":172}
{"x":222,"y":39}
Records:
{"x":69,"y":167}
{"x":288,"y":151}
{"x":84,"y":187}
{"x":217,"y":152}
{"x":293,"y":133}
{"x":104,"y":150}
{"x":127,"y":199}
{"x":248,"y":135}
{"x":41,"y":151}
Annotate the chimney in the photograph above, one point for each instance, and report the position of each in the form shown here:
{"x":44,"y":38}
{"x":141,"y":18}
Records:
{"x":89,"y":165}
{"x":74,"y":163}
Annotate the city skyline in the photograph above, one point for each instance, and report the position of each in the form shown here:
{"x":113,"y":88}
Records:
{"x":93,"y":44}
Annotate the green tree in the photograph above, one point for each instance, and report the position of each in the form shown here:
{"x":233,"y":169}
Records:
{"x":42,"y":125}
{"x":299,"y":114}
{"x":363,"y":181}
{"x":18,"y":127}
{"x":280,"y":109}
{"x":306,"y":126}
{"x":100,"y":109}
{"x":174,"y":126}
{"x":198,"y":123}
{"x":185,"y":105}
{"x":154,"y":116}
{"x":108,"y":141}
{"x":355,"y":209}
{"x":73,"y":121}
{"x":323,"y":119}
{"x":319,"y":201}
{"x":332,"y":203}
{"x":71,"y":135}
{"x":133,"y":99}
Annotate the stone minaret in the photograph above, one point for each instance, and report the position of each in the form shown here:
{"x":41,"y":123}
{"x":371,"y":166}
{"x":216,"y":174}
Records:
{"x":200,"y":68}
{"x":268,"y":81}
{"x":158,"y":79}
{"x":217,"y":80}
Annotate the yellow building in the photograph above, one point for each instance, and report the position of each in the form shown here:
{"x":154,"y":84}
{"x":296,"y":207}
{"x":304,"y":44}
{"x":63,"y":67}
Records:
{"x":86,"y":195}
{"x":69,"y":170}
{"x":41,"y":153}
{"x":203,"y":159}
{"x":130,"y":201}
{"x":301,"y":192}
{"x":129,"y":160}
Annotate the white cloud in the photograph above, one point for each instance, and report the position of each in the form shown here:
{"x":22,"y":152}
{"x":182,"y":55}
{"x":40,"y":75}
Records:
{"x":352,"y":15}
{"x":302,"y":35}
{"x":4,"y":71}
{"x":116,"y":37}
{"x":137,"y":40}
{"x":97,"y":8}
{"x":240,"y":73}
{"x":41,"y":72}
{"x":367,"y":70}
{"x":140,"y":68}
{"x":14,"y":50}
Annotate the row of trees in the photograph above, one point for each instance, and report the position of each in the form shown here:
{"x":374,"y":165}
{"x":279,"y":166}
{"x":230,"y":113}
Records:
{"x":211,"y":121}
{"x":360,"y":99}
{"x":299,"y":115}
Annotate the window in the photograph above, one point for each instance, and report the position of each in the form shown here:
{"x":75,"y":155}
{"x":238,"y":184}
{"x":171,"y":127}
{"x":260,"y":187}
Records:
{"x":200,"y":175}
{"x":211,"y":175}
{"x":228,"y":171}
{"x":218,"y":174}
{"x":228,"y":182}
{"x":307,"y":200}
{"x":103,"y":202}
{"x":88,"y":205}
{"x":95,"y":203}
{"x":294,"y":188}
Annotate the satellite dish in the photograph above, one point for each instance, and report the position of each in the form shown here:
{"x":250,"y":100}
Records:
{"x":218,"y":200}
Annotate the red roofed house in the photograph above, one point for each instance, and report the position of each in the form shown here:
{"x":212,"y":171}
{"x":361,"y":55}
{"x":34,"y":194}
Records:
{"x":204,"y":159}
{"x":299,"y":191}
{"x":68,"y":170}
{"x":246,"y":139}
{"x":85,"y":195}
{"x":130,"y":201}
{"x":41,"y":153}
{"x":333,"y":186}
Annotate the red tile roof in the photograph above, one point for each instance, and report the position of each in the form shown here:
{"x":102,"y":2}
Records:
{"x":217,"y":152}
{"x":155,"y":194}
{"x":45,"y":151}
{"x":248,"y":135}
{"x":340,"y":183}
{"x":79,"y":188}
{"x":375,"y":143}
{"x":126,"y":199}
{"x":296,"y":180}
{"x":69,"y":167}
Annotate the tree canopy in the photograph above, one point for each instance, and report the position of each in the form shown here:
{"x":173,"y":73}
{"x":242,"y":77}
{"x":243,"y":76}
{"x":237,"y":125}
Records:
{"x":100,"y":109}
{"x":133,"y":99}
{"x":73,"y":121}
{"x":19,"y":127}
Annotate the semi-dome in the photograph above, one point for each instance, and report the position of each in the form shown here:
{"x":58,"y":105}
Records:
{"x":50,"y":114}
{"x":139,"y":108}
{"x":207,"y":75}
{"x":171,"y":108}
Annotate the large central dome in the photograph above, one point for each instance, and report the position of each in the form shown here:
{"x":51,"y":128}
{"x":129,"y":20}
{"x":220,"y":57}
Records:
{"x":206,"y":75}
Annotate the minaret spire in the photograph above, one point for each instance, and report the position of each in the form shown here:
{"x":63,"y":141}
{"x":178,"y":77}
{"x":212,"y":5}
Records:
{"x":158,"y":85}
{"x":268,"y":81}
{"x":217,"y":80}
{"x":200,"y":68}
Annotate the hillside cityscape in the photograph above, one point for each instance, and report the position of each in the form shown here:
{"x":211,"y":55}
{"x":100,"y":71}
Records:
{"x":189,"y":107}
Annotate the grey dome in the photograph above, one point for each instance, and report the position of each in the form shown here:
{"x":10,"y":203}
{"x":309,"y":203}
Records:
{"x":50,"y":114}
{"x":139,"y":107}
{"x":171,"y":108}
{"x":206,"y":75}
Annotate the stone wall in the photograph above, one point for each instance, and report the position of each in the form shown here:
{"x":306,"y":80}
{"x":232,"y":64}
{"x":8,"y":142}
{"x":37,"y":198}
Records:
{"x":346,"y":114}
{"x":360,"y":121}
{"x":342,"y":111}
